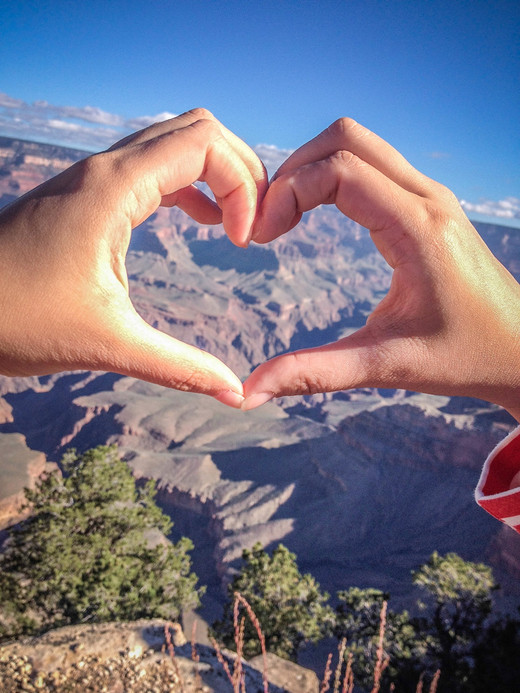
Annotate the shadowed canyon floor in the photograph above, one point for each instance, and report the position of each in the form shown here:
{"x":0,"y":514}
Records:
{"x":363,"y":486}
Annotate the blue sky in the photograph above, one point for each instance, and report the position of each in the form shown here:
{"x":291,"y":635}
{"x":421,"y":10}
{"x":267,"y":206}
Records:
{"x":438,"y":79}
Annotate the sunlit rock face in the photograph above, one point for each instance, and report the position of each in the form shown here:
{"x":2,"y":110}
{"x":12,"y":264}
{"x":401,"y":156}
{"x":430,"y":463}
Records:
{"x":362,"y":485}
{"x":20,"y":467}
{"x":136,"y":654}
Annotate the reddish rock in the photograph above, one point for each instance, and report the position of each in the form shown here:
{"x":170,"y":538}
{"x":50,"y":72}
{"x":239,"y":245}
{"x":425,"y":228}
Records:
{"x":19,"y":468}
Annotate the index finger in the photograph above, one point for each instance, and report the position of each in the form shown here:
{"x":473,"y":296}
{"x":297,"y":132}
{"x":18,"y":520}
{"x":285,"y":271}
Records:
{"x":248,"y":156}
{"x":155,"y":168}
{"x":347,"y":135}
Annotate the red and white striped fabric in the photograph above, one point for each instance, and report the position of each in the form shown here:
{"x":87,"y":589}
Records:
{"x":493,"y":493}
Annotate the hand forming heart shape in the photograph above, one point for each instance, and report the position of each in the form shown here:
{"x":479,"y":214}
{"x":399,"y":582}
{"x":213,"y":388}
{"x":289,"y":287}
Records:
{"x":64,"y":300}
{"x":450,"y":323}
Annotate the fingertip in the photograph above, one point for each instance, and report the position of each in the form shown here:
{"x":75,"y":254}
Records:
{"x":230,"y":398}
{"x":256,"y":400}
{"x":256,"y":229}
{"x":264,"y":221}
{"x":267,"y":230}
{"x":239,"y":210}
{"x":242,"y":238}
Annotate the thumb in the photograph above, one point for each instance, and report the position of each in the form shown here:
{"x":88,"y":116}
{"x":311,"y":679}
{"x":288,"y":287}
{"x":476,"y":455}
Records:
{"x":355,"y":361}
{"x":138,"y":350}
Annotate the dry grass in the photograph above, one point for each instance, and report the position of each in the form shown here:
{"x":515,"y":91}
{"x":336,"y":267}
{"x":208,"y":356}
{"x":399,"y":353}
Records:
{"x":345,"y":680}
{"x":382,"y":659}
{"x":237,"y":677}
{"x":96,"y":675}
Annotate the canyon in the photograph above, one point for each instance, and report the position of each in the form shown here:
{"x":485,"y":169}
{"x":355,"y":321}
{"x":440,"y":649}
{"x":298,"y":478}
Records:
{"x":362,"y":485}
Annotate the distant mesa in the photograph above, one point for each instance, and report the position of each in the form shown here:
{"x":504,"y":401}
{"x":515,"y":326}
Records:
{"x":386,"y":476}
{"x":19,"y":468}
{"x":145,"y":240}
{"x":222,"y":254}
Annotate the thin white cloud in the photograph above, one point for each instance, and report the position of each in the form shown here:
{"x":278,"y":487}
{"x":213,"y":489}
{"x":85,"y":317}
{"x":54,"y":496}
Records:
{"x":84,"y":127}
{"x":272,"y":156}
{"x":145,"y":121}
{"x":89,"y":127}
{"x":93,"y":129}
{"x":439,"y":155}
{"x":8,"y":101}
{"x":508,"y":208}
{"x":64,"y":125}
{"x":91,"y":115}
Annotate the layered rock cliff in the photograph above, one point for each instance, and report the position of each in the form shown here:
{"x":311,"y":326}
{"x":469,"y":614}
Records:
{"x":20,"y":467}
{"x":362,"y":485}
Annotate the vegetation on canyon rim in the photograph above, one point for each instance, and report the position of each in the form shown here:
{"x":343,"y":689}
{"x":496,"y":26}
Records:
{"x":95,"y":549}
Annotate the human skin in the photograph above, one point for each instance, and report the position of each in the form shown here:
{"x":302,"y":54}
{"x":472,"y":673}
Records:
{"x":450,"y":323}
{"x":64,"y":301}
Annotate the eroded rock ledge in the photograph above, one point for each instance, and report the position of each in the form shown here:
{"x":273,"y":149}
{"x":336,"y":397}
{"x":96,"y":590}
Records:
{"x":134,"y":657}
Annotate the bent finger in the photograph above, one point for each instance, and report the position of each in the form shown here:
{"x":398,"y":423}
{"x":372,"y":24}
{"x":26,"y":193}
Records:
{"x":156,"y":168}
{"x":348,"y":135}
{"x":161,"y":128}
{"x":359,"y":190}
{"x":195,"y":203}
{"x":244,"y":151}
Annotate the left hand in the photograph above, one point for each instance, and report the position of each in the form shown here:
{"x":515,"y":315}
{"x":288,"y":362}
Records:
{"x":64,"y":300}
{"x":450,"y":323}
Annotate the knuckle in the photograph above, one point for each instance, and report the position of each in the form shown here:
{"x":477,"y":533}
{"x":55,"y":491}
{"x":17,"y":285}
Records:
{"x":345,"y":129}
{"x":447,"y":195}
{"x":208,"y":128}
{"x":345,"y":158}
{"x":439,"y":191}
{"x":437,"y":216}
{"x":201,"y":114}
{"x":383,"y":364}
{"x":94,"y":167}
{"x":192,"y":381}
{"x":306,"y":381}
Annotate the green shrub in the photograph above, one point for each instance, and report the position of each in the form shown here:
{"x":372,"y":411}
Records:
{"x":94,"y":549}
{"x":289,"y":606}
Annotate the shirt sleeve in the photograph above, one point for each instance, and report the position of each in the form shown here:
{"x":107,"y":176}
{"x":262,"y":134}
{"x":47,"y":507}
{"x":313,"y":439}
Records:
{"x":493,"y":493}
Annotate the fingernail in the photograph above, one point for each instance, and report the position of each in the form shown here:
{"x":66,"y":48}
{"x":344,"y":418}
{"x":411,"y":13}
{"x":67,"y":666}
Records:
{"x":232,"y":399}
{"x":256,"y":400}
{"x":256,"y":229}
{"x":248,"y":239}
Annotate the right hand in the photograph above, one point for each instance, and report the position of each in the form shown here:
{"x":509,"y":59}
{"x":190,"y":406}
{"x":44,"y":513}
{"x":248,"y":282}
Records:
{"x":64,"y":300}
{"x":450,"y":323}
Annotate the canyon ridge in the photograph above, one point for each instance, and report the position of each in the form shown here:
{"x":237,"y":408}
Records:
{"x":362,"y":485}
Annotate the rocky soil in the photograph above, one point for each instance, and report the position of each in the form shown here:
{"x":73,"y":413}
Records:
{"x":136,"y":658}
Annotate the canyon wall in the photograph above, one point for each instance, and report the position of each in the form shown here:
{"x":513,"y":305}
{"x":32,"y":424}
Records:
{"x":362,"y":485}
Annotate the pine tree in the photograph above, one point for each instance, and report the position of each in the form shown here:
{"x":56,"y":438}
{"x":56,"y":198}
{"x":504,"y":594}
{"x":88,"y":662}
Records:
{"x":358,"y":619}
{"x":289,"y":606}
{"x":457,"y":604}
{"x":94,"y":549}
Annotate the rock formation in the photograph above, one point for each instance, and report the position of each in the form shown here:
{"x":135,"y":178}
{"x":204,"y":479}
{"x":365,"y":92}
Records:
{"x":135,"y":657}
{"x":361,"y":485}
{"x":19,"y":468}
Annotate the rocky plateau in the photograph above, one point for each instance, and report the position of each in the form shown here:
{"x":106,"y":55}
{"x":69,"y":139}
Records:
{"x":143,"y":656}
{"x":363,"y":485}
